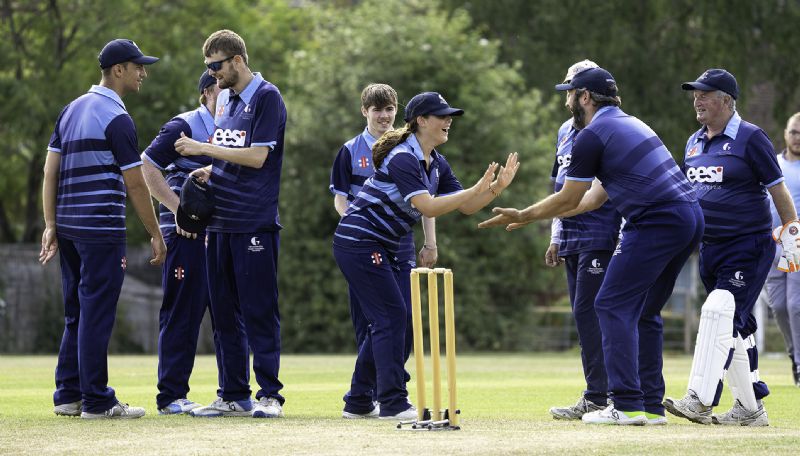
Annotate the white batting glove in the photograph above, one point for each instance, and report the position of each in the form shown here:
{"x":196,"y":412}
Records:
{"x":787,"y":236}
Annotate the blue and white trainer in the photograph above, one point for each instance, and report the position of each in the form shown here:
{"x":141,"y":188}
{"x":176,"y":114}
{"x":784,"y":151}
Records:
{"x":70,"y":409}
{"x":179,"y":407}
{"x":118,"y":411}
{"x":610,"y":415}
{"x":267,"y":407}
{"x":221,"y":407}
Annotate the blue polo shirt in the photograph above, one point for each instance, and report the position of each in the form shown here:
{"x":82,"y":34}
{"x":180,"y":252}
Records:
{"x":731,"y":173}
{"x":791,"y":175}
{"x":635,"y":168}
{"x":198,"y":125}
{"x":351,"y":168}
{"x":247,"y":198}
{"x":97,"y":141}
{"x":382,"y":210}
{"x":590,"y":231}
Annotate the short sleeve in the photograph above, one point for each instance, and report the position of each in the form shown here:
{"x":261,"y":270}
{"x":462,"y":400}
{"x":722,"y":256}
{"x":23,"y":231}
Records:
{"x":269,"y":121}
{"x":121,"y":136}
{"x":55,"y":139}
{"x":161,"y":150}
{"x":761,"y":155}
{"x":587,"y":151}
{"x":405,"y":173}
{"x":448,"y":183}
{"x":342,"y":172}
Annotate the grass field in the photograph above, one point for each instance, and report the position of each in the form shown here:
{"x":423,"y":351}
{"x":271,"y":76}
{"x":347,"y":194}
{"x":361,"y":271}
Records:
{"x":504,"y":401}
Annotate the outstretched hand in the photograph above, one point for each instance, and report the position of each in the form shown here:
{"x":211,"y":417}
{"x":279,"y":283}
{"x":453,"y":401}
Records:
{"x":486,"y":180}
{"x":503,"y":216}
{"x":507,"y":172}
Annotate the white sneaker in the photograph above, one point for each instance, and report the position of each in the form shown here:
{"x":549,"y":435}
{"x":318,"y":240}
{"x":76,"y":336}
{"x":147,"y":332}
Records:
{"x":119,"y":410}
{"x":267,"y":407}
{"x":575,"y":412}
{"x":222,"y":407}
{"x":71,"y":409}
{"x":374,"y":413}
{"x":611,"y":415}
{"x":740,"y":416}
{"x":179,"y":406}
{"x":406,"y":415}
{"x":690,"y":408}
{"x":655,"y":420}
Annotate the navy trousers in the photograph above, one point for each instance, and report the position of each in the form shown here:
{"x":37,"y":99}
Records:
{"x":640,"y":277}
{"x":91,"y":279}
{"x":243,"y":286}
{"x":585,"y":274}
{"x":374,"y":279}
{"x":185,"y":301}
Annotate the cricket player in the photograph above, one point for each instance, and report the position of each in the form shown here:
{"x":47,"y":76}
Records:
{"x":92,"y":165}
{"x":731,"y":164}
{"x":351,"y":168}
{"x":183,"y":277}
{"x":783,"y":288}
{"x":663,"y":226}
{"x":246,"y":149}
{"x":584,"y":243}
{"x":411,"y":179}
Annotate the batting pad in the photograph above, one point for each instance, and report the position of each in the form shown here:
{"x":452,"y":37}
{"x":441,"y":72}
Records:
{"x":713,"y":346}
{"x":740,"y":377}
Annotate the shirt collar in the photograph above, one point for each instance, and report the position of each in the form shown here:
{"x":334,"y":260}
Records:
{"x":602,"y":111}
{"x":106,"y":92}
{"x":416,"y":149}
{"x":368,"y":138}
{"x":247,"y":93}
{"x":208,"y":119}
{"x":733,"y":126}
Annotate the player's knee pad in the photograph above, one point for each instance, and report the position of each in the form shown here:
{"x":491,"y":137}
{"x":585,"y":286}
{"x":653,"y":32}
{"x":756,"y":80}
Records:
{"x":743,"y":372}
{"x":713,"y":346}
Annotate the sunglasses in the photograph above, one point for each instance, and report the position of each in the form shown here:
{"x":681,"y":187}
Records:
{"x":216,"y":66}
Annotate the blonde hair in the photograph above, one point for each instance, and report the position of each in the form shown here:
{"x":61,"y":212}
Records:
{"x":390,"y":140}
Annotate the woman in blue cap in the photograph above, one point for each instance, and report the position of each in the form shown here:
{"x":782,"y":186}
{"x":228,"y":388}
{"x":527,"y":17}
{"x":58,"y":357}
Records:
{"x":411,"y":180}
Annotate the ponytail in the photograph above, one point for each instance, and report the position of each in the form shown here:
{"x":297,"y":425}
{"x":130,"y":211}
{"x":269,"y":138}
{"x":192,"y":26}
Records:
{"x":389,"y":140}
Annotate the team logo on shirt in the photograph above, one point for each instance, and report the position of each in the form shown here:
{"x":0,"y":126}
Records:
{"x":255,"y":245}
{"x":220,"y":111}
{"x":124,"y":263}
{"x":363,"y":162}
{"x":229,"y":138}
{"x":738,"y":279}
{"x":376,"y":258}
{"x":179,"y":273}
{"x":726,"y":146}
{"x":693,"y":151}
{"x":596,"y":267}
{"x":564,"y":160}
{"x":705,"y":174}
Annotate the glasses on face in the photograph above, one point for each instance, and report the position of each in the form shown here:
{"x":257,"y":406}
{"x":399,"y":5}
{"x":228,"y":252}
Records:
{"x":793,"y":133}
{"x":216,"y":66}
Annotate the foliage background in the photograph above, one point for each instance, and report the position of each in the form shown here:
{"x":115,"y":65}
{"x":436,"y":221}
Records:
{"x":497,"y":59}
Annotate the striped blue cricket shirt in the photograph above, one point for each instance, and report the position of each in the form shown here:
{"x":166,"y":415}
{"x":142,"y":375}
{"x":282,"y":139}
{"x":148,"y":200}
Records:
{"x":197,"y":124}
{"x":97,"y":141}
{"x":590,"y":231}
{"x":247,"y":198}
{"x":382,"y":210}
{"x":635,"y":168}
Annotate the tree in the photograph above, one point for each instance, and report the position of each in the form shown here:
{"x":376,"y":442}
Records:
{"x":415,"y":47}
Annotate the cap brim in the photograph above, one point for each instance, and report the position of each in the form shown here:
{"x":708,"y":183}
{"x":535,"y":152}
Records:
{"x":145,"y":60}
{"x":697,"y":86}
{"x":189,"y":224}
{"x":564,"y":86}
{"x":448,"y":112}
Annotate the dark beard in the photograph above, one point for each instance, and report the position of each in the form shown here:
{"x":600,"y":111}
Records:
{"x":578,"y":114}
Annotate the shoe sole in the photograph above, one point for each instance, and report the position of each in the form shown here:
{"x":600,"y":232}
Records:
{"x":224,"y":415}
{"x":357,"y":416}
{"x":70,"y":414}
{"x":265,"y":415}
{"x":116,"y":417}
{"x":557,"y":416}
{"x":694,"y":418}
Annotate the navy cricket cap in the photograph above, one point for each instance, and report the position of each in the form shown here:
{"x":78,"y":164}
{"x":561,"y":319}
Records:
{"x":205,"y":81}
{"x":427,"y":103}
{"x":196,"y":207}
{"x":714,"y":79}
{"x":121,"y":51}
{"x":595,"y":80}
